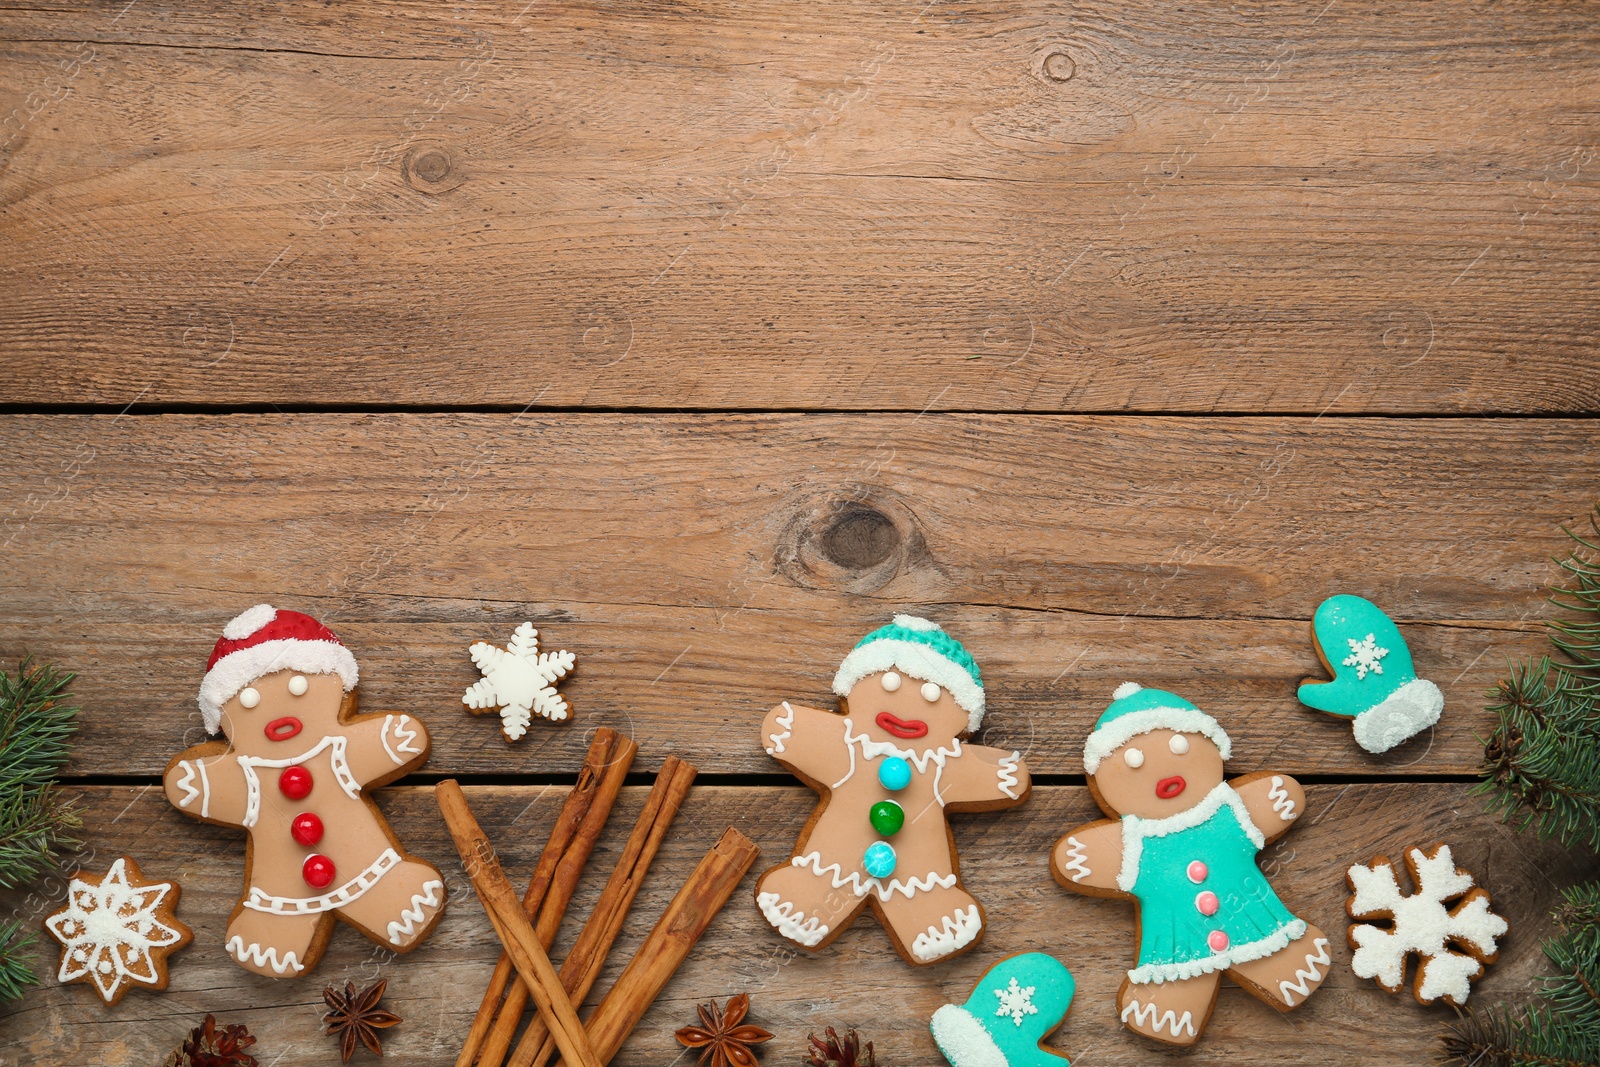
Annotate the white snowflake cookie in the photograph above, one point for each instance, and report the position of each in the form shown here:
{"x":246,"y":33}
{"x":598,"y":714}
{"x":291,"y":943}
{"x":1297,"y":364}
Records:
{"x":518,"y":681}
{"x":1453,"y":943}
{"x":116,"y":931}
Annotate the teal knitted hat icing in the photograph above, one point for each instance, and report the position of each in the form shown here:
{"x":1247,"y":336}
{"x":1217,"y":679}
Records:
{"x":918,"y":648}
{"x":1135,"y":710}
{"x":1373,"y":678}
{"x":1015,"y":1006}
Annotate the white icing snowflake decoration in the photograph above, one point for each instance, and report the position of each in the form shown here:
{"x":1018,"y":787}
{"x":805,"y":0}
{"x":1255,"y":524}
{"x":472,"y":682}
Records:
{"x":1016,"y":1001}
{"x":1364,"y":656}
{"x":1421,"y":924}
{"x":110,"y":932}
{"x":519,"y":680}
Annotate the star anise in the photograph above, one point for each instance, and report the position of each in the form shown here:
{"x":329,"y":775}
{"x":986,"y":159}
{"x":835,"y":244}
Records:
{"x":840,"y":1052}
{"x":726,"y":1043}
{"x":356,"y":1016}
{"x":207,"y":1046}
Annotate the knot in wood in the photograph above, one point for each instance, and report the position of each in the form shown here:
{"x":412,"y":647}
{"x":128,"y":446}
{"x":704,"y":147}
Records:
{"x":854,"y":539}
{"x":430,"y":167}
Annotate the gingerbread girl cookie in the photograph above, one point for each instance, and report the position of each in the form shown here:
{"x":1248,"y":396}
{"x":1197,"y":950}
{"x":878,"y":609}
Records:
{"x":1182,"y":845}
{"x":282,"y":689}
{"x":888,"y":769}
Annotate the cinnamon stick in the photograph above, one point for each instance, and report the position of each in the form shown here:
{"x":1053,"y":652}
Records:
{"x":680,"y":926}
{"x":577,"y":830}
{"x":584,"y":961}
{"x":512,"y":925}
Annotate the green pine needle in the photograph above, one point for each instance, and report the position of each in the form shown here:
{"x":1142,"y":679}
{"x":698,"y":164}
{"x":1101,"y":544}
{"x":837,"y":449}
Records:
{"x":36,"y":727}
{"x":16,"y":976}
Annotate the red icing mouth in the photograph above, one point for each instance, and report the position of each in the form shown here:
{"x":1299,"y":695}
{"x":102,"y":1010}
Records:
{"x":902,"y":727}
{"x":1168,"y":788}
{"x":282,"y":729}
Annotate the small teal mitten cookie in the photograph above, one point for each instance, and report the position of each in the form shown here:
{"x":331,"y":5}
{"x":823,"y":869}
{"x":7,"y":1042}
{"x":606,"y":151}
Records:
{"x":1016,"y":1005}
{"x":1373,"y":679}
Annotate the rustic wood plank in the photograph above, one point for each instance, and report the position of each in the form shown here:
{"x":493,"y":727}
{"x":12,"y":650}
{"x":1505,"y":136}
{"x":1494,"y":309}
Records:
{"x":1285,"y":208}
{"x":704,"y":568}
{"x":436,"y":989}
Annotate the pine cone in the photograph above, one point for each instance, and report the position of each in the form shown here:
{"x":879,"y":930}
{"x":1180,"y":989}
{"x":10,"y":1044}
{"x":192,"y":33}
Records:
{"x":209,"y":1047}
{"x":837,"y":1052}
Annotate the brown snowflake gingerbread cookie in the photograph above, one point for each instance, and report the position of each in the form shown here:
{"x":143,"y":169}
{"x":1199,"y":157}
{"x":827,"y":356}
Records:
{"x":1454,"y":944}
{"x":1182,"y":844}
{"x":117,"y":930}
{"x":292,"y":773}
{"x":889,"y":768}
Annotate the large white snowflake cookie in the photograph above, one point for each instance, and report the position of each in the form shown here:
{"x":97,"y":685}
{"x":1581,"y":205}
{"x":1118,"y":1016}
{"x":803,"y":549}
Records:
{"x":1453,"y":944}
{"x":116,"y":931}
{"x":518,"y":681}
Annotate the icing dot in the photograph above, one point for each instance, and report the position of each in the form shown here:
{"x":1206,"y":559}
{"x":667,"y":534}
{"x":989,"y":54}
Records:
{"x":894,"y":774}
{"x":1206,"y":902}
{"x":891,"y":681}
{"x":69,"y":928}
{"x":1217,"y":940}
{"x":80,"y":954}
{"x":104,"y":967}
{"x":306,"y":828}
{"x":295,"y":783}
{"x":1134,"y":758}
{"x":132,"y":954}
{"x":1197,"y":872}
{"x":249,"y":698}
{"x":887,"y":817}
{"x":298,"y":685}
{"x":317,"y":871}
{"x":930,"y":692}
{"x":879,"y":859}
{"x":1179,"y":744}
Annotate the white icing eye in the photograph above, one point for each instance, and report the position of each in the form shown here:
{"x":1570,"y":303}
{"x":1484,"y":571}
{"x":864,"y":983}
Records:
{"x":1134,"y":758}
{"x":298,"y":685}
{"x":891,"y":681}
{"x":1179,"y":744}
{"x":249,"y":698}
{"x":930,"y":692}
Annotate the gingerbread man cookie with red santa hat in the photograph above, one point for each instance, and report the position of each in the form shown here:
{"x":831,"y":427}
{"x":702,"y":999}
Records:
{"x":292,"y":772}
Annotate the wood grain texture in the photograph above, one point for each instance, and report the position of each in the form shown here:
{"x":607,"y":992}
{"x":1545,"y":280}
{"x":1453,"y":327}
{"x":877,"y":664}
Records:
{"x":1004,"y":860}
{"x":704,"y":568}
{"x":1274,"y":207}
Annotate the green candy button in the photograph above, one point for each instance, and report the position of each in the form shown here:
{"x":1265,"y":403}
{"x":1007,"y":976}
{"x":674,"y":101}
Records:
{"x":887,"y":817}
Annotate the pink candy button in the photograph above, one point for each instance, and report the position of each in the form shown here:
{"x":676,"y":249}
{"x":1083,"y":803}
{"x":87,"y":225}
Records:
{"x":1197,"y":872}
{"x":1207,"y":903}
{"x":1217,"y":940}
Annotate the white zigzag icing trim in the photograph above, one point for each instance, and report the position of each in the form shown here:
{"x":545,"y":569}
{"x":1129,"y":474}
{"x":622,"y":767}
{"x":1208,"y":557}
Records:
{"x":406,"y":925}
{"x":263,"y":957}
{"x":260,"y":900}
{"x":1281,"y":804}
{"x":341,"y":773}
{"x":1152,"y":1016}
{"x":787,"y":722}
{"x":383,"y":735}
{"x":1075,"y":864}
{"x":958,"y":931}
{"x":1008,"y":774}
{"x":406,"y":736}
{"x":862,"y":886}
{"x":872,"y":749}
{"x":1311,"y":974}
{"x":791,"y":923}
{"x":185,"y":783}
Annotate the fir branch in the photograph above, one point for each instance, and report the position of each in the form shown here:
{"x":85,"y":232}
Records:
{"x":37,"y":722}
{"x":16,"y":976}
{"x":1496,"y":1038}
{"x":1542,"y":761}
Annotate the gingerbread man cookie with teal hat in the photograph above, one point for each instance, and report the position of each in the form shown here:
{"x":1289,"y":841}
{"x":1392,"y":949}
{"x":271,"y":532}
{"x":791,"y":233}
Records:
{"x":1374,"y":683}
{"x":1018,"y":1003}
{"x":889,"y":767}
{"x":1182,"y":844}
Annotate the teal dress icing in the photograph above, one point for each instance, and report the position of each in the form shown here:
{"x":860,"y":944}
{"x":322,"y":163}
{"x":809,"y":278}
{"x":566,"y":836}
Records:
{"x":1177,"y":939}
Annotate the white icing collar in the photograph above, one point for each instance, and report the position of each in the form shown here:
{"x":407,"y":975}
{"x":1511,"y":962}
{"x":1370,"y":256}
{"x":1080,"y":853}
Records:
{"x":871,"y":749}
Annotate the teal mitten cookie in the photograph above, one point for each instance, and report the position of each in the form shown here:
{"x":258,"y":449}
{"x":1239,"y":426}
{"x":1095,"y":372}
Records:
{"x":1016,"y":1005}
{"x":1374,"y":682}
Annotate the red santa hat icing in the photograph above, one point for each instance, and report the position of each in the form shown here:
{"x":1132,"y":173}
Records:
{"x":263,"y":640}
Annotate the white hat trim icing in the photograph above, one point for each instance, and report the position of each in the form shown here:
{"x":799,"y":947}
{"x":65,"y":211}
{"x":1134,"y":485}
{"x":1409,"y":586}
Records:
{"x":1406,"y":712}
{"x":1114,"y":734}
{"x":918,"y":661}
{"x":963,"y":1040}
{"x":238,"y":669}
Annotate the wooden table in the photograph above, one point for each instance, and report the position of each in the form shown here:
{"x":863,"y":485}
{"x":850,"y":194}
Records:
{"x":1113,"y":336}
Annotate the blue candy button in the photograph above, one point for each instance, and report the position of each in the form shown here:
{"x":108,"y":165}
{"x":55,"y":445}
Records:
{"x":879,"y":859}
{"x":894,"y":773}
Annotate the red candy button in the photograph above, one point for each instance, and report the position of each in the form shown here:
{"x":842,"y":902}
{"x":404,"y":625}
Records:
{"x":318,"y":872}
{"x":1206,"y":903}
{"x":295,"y":783}
{"x":306,"y":828}
{"x":1217,"y":940}
{"x":1197,"y":872}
